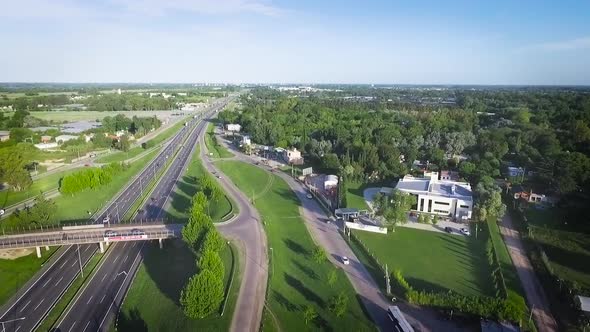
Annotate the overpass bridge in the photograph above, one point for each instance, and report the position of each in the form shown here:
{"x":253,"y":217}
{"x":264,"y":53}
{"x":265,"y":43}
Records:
{"x":92,"y":233}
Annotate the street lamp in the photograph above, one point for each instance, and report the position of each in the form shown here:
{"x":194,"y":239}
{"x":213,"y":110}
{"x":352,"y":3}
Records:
{"x":8,"y":321}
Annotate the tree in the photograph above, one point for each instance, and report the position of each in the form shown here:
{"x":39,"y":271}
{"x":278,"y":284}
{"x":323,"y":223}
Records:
{"x":202,"y":295}
{"x":331,"y":162}
{"x":319,"y":255}
{"x":339,"y":304}
{"x":332,"y":277}
{"x":342,"y":190}
{"x":394,"y":209}
{"x":309,"y":314}
{"x":211,"y":261}
{"x":124,"y":143}
{"x":12,"y":168}
{"x":213,"y":241}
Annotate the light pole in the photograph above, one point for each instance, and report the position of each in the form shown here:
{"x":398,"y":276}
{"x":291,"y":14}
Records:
{"x":8,"y":321}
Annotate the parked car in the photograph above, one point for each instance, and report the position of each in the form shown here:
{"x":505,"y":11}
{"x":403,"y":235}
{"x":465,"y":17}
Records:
{"x":110,"y":233}
{"x":465,"y":231}
{"x":345,"y":260}
{"x":448,"y":230}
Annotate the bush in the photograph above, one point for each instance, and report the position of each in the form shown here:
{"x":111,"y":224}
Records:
{"x":202,"y":295}
{"x":90,"y":178}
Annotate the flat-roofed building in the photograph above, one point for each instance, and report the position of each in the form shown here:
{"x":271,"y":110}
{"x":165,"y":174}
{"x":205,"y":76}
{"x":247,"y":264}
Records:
{"x":443,"y":197}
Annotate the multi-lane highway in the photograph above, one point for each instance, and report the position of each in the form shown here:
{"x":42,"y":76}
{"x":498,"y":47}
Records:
{"x":32,"y":303}
{"x":97,"y":305}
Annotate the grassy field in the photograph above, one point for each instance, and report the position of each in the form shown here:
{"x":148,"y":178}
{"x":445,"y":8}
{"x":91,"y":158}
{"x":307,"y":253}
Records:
{"x":186,"y":188}
{"x":354,"y":196}
{"x":568,"y":251}
{"x":508,"y":269}
{"x":434,"y":261}
{"x":296,"y":280}
{"x":44,"y":184}
{"x":15,"y":273}
{"x":215,"y":150}
{"x":152,"y":303}
{"x":75,"y":208}
{"x":69,"y":295}
{"x":71,"y":116}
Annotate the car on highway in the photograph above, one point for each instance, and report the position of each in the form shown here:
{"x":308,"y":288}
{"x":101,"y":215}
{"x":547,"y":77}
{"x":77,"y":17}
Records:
{"x":106,"y":220}
{"x":465,"y":231}
{"x":136,"y":231}
{"x":309,"y":196}
{"x":110,"y":233}
{"x":449,"y":230}
{"x":345,"y":260}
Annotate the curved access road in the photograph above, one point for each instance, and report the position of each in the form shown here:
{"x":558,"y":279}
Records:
{"x":246,"y":230}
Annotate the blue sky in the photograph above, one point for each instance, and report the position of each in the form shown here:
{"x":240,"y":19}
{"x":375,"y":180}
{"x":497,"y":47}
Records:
{"x":405,"y":42}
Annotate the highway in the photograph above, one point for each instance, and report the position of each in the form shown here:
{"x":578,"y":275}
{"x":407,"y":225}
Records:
{"x":41,"y":298}
{"x":98,"y":304}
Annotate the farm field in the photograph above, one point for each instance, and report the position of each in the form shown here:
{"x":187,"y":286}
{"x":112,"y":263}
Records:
{"x":434,"y":261}
{"x":295,"y":279}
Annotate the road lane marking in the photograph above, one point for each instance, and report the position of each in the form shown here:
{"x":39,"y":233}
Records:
{"x":116,"y":259}
{"x":63,"y":264}
{"x":90,"y":299}
{"x":74,"y":264}
{"x":86,"y":326}
{"x":18,"y":328}
{"x":124,"y":244}
{"x":101,"y":280}
{"x":23,"y":308}
{"x":38,"y":304}
{"x":102,"y":298}
{"x":60,"y":279}
{"x":125,"y":258}
{"x":71,"y":328}
{"x":48,"y":280}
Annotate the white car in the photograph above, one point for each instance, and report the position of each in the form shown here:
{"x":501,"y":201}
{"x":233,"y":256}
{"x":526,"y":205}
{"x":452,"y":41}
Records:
{"x":309,"y":196}
{"x":465,"y":231}
{"x":106,"y":219}
{"x":345,"y":260}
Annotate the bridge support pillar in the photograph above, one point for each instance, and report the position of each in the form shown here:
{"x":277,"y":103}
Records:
{"x":46,"y":248}
{"x":38,"y":251}
{"x":161,"y":243}
{"x":101,"y":245}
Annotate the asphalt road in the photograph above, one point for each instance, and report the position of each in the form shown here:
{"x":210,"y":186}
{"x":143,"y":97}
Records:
{"x":247,"y":232}
{"x":37,"y":298}
{"x":41,"y":298}
{"x":88,"y":312}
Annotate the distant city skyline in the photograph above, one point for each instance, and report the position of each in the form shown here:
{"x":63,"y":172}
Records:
{"x":302,"y":42}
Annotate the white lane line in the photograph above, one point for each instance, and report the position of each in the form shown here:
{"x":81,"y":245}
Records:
{"x":125,"y":258}
{"x":124,"y":244}
{"x":86,"y":326}
{"x":23,"y":308}
{"x":116,"y":259}
{"x":18,"y":328}
{"x":90,"y":299}
{"x":101,"y":280}
{"x":48,"y":280}
{"x":74,"y":264}
{"x":87,"y":247}
{"x":63,"y":264}
{"x":102,"y":298}
{"x":60,"y":279}
{"x":38,"y":304}
{"x":71,"y":328}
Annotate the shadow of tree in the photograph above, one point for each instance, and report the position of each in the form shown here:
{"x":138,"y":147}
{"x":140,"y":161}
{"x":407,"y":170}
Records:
{"x":309,"y":295}
{"x":282,"y":300}
{"x":296,"y":247}
{"x":310,"y":273}
{"x":131,"y":321}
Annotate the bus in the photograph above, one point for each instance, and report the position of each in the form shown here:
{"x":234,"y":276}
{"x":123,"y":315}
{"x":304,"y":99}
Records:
{"x":400,"y":324}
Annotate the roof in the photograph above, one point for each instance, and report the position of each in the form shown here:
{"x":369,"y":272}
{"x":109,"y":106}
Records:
{"x":584,"y":302}
{"x":413,"y":185}
{"x":445,"y":188}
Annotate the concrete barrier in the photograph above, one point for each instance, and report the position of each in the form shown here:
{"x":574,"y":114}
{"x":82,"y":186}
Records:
{"x":368,"y":228}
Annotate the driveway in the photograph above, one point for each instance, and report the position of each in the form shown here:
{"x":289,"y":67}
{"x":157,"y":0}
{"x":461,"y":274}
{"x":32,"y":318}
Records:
{"x":534,"y":292}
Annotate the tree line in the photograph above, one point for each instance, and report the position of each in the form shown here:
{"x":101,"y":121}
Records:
{"x":90,"y":178}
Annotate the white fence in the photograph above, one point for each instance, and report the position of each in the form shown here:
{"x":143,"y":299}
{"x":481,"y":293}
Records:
{"x":368,"y":228}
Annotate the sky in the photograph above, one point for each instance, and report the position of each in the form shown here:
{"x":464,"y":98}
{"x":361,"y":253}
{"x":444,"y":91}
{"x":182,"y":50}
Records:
{"x":296,"y":41}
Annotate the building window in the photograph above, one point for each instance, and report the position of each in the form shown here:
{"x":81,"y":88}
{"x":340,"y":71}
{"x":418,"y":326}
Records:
{"x":464,"y":206}
{"x":421,"y":207}
{"x":442,"y":203}
{"x":441,"y":211}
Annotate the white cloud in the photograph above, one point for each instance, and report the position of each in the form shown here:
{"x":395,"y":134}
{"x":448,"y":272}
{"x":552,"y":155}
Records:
{"x":564,"y":45}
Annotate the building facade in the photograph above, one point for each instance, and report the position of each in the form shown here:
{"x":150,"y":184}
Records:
{"x":442,"y":197}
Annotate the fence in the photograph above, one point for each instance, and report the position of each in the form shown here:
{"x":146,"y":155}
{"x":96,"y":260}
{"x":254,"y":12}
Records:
{"x":367,"y":228}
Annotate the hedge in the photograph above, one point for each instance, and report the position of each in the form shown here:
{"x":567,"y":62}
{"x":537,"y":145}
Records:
{"x":90,"y":178}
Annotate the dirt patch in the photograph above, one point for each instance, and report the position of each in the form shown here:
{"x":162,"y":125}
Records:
{"x":15,"y":253}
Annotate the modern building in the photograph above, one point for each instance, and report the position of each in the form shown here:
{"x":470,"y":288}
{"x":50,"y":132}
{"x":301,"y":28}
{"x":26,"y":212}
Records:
{"x":449,"y":175}
{"x":235,"y":127}
{"x":443,"y":197}
{"x":515,"y":171}
{"x":246,"y":140}
{"x":293,"y":157}
{"x":4,"y":136}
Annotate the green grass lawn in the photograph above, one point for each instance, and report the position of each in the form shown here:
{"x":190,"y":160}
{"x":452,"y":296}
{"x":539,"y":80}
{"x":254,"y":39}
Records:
{"x":44,"y":184}
{"x":186,"y":188}
{"x":434,"y":261}
{"x":152,"y":303}
{"x":295,"y":279}
{"x":76,"y":207}
{"x":508,"y":269}
{"x":217,"y":150}
{"x":14,"y":273}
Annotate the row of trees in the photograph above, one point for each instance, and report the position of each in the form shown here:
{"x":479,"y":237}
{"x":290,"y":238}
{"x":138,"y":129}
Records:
{"x":90,"y":178}
{"x":137,"y":126}
{"x":204,"y":292}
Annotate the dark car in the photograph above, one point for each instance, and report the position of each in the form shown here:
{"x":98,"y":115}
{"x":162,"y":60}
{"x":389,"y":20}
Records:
{"x":137,"y":232}
{"x":448,"y":230}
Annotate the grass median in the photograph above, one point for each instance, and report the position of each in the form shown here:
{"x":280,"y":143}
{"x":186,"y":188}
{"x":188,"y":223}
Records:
{"x":67,"y":297}
{"x":295,"y":279}
{"x":215,"y":149}
{"x":152,"y":302}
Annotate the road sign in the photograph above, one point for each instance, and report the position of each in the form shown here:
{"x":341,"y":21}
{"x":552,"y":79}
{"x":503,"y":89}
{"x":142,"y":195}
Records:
{"x":307,"y":171}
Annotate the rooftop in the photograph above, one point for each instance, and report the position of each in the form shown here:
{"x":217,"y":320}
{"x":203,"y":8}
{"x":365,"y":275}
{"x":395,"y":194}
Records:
{"x":433,"y":186}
